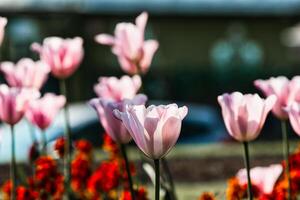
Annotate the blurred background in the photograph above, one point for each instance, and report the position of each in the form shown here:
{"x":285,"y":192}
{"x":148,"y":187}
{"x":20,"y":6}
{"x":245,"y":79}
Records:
{"x":207,"y":47}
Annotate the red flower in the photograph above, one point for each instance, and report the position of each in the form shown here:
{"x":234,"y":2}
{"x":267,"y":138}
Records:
{"x":45,"y":168}
{"x":141,"y":194}
{"x":23,"y":193}
{"x":207,"y":196}
{"x":59,"y":147}
{"x":110,"y":146}
{"x":48,"y":181}
{"x":6,"y":189}
{"x":83,"y":146}
{"x":105,"y":178}
{"x":80,"y":171}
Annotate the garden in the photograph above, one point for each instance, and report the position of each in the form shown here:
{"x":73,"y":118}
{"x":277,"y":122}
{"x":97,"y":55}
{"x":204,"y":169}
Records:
{"x":136,"y":155}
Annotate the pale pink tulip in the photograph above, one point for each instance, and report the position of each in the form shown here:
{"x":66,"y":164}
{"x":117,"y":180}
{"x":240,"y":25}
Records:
{"x":62,"y":55}
{"x":245,"y":115}
{"x":293,"y":111}
{"x":114,"y":127}
{"x":25,"y":73}
{"x":264,"y":178}
{"x":133,"y":52}
{"x":285,"y":90}
{"x":41,"y":112}
{"x":3,"y":22}
{"x":155,"y":129}
{"x":14,"y":102}
{"x":118,"y":89}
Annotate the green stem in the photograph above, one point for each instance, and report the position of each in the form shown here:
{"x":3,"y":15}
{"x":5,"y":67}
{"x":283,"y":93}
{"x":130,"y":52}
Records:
{"x":13,"y":172}
{"x":169,"y":177}
{"x":247,"y":164}
{"x":124,"y":153}
{"x":32,"y":132}
{"x":286,"y":151}
{"x":44,"y":142}
{"x":68,"y":139}
{"x":157,"y":178}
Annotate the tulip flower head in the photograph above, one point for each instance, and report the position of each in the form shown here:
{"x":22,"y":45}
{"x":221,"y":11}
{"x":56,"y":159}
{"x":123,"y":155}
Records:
{"x":155,"y":129}
{"x":114,"y":127}
{"x":41,"y":112}
{"x":245,"y":115}
{"x":285,"y":90}
{"x":26,"y":73}
{"x":14,"y":102}
{"x":118,"y":89}
{"x":3,"y":22}
{"x":62,"y":55}
{"x":293,"y":111}
{"x":133,"y":52}
{"x":264,"y":178}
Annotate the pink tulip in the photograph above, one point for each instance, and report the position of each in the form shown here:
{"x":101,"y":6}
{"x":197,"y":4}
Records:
{"x":245,"y":115}
{"x":293,"y":111}
{"x":118,"y":89}
{"x":155,"y":129}
{"x":285,"y":90}
{"x":114,"y":127}
{"x":133,"y":52}
{"x":41,"y":112}
{"x":14,"y":102}
{"x":3,"y":22}
{"x":264,"y":178}
{"x":62,"y":55}
{"x":26,"y":73}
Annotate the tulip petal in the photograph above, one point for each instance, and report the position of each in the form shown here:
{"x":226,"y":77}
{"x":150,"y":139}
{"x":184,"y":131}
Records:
{"x":170,"y":133}
{"x":105,"y":39}
{"x":149,"y":49}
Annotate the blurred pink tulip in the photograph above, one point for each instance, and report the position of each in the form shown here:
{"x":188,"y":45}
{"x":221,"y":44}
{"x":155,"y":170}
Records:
{"x":155,"y":129}
{"x":25,"y":73}
{"x":118,"y":89}
{"x":3,"y":22}
{"x":62,"y":55}
{"x":264,"y":178}
{"x":285,"y":90}
{"x":245,"y":115}
{"x":14,"y":102}
{"x":114,"y":127}
{"x":293,"y":111}
{"x":133,"y":52}
{"x":41,"y":112}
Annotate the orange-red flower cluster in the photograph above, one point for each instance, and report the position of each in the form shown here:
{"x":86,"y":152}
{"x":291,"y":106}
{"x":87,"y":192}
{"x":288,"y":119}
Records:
{"x":141,"y":194}
{"x":207,"y":196}
{"x":81,"y":167}
{"x":110,"y":146}
{"x":22,"y":193}
{"x":47,"y":180}
{"x":105,"y":178}
{"x":83,"y":146}
{"x":235,"y":191}
{"x":59,"y":147}
{"x":102,"y":183}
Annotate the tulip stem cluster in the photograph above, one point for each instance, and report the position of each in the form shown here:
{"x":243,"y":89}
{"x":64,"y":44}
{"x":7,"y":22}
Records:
{"x":157,"y":178}
{"x":44,"y":143}
{"x":124,"y":154}
{"x":286,"y":151}
{"x":13,"y":164}
{"x":63,"y":90}
{"x":247,"y":164}
{"x":169,"y":177}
